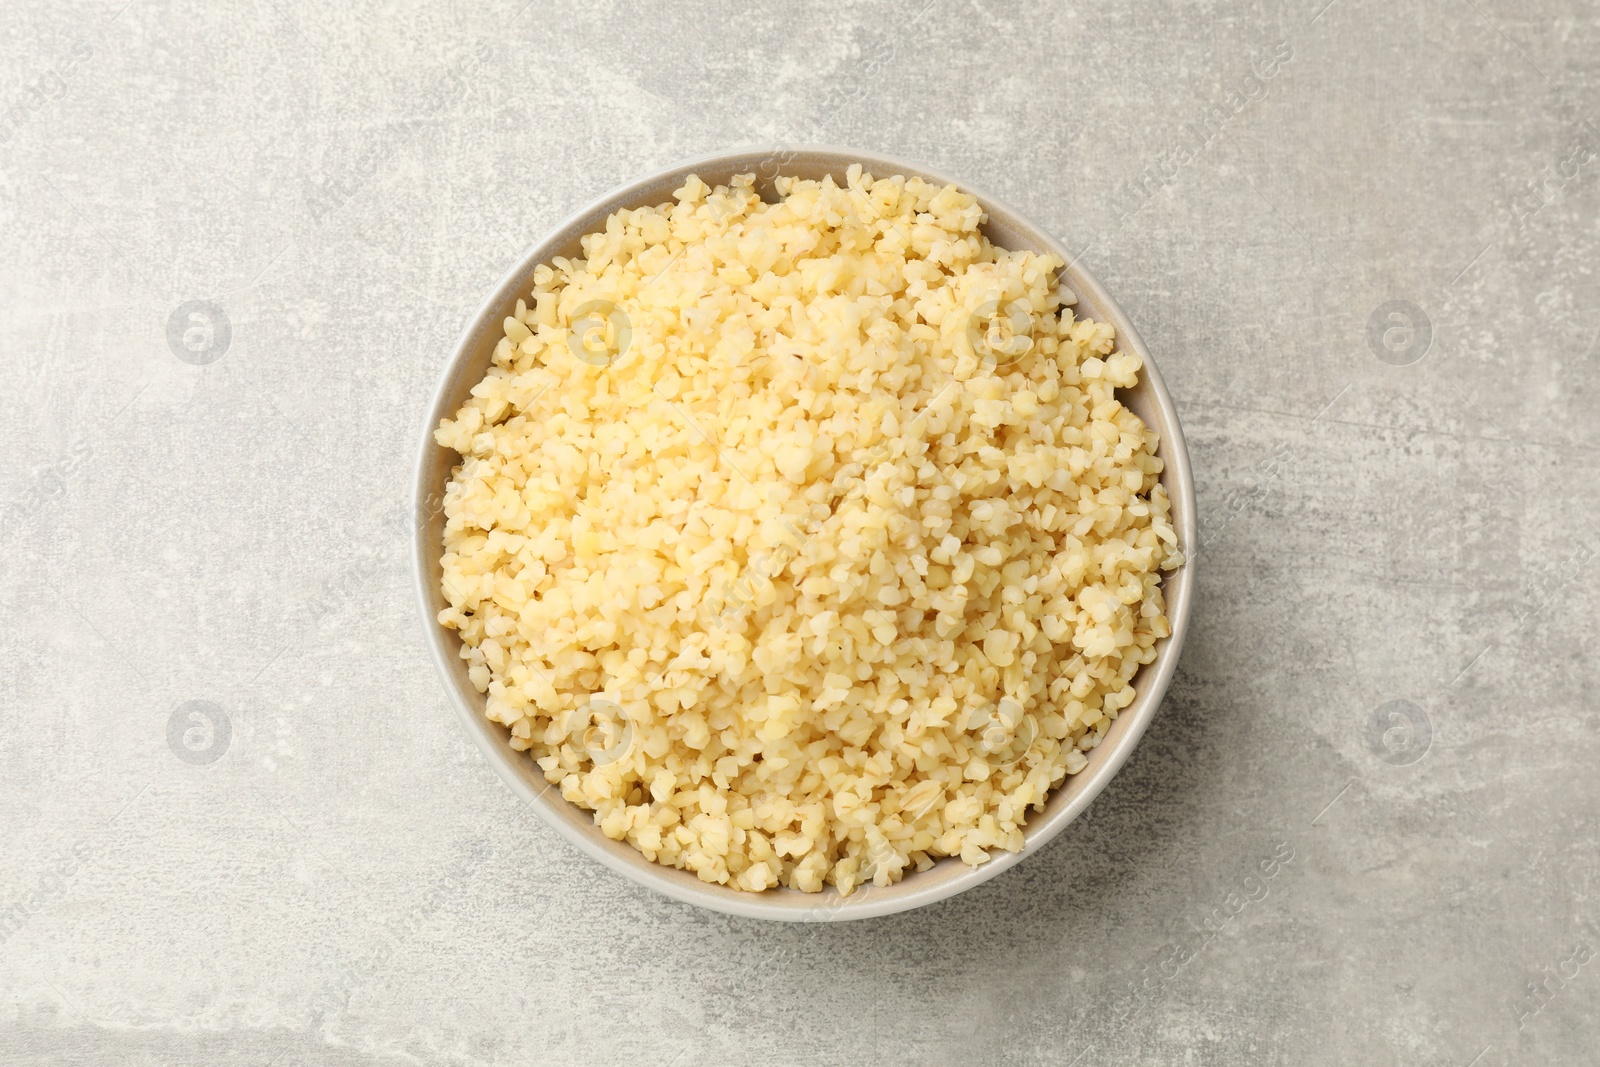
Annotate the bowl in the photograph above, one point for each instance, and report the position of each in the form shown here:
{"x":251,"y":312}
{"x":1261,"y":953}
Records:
{"x":949,"y":876}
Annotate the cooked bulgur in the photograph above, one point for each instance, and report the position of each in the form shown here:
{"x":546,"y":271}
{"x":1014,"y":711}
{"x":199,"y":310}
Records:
{"x":805,"y":541}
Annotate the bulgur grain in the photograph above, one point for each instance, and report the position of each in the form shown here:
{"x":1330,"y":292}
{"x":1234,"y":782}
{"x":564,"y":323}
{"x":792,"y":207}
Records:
{"x":805,"y":542}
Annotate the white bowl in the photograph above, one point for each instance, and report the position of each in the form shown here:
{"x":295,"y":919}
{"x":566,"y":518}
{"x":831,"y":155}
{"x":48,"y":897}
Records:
{"x":470,"y":360}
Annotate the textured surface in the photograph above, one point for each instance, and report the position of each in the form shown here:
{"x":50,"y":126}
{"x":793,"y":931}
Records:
{"x":310,"y":865}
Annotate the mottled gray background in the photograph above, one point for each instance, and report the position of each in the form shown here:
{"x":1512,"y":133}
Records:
{"x":311,"y":865}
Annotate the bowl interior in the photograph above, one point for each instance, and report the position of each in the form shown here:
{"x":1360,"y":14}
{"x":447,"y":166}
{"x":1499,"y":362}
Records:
{"x":467,"y":367}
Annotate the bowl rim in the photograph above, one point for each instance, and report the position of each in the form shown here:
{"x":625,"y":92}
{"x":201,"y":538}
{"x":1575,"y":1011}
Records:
{"x":1177,"y":584}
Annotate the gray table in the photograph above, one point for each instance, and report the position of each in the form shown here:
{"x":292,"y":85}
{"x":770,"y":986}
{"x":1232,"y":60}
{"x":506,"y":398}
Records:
{"x":1361,"y":240}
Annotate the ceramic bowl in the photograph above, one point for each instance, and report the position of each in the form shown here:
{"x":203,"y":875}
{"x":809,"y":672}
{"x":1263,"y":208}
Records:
{"x":466,"y":366}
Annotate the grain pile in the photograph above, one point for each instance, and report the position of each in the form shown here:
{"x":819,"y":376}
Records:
{"x":805,"y":542}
